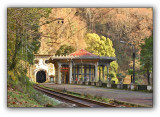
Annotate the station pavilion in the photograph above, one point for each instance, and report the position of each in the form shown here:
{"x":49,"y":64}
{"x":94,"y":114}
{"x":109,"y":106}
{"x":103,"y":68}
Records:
{"x":79,"y":66}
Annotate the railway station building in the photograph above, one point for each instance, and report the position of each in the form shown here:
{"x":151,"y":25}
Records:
{"x":78,"y":67}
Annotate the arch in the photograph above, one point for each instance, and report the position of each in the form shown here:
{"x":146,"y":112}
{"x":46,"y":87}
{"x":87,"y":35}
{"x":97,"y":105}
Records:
{"x":51,"y":76}
{"x":41,"y":76}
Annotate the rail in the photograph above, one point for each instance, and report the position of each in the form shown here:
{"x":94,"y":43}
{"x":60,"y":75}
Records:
{"x":79,"y":101}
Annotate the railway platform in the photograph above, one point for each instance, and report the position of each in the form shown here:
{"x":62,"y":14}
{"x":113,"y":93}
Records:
{"x":134,"y":97}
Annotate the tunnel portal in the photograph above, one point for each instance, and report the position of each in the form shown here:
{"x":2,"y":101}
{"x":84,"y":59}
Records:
{"x":41,"y":76}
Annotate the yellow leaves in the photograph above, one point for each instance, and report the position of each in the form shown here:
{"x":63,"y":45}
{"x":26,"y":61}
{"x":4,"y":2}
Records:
{"x":97,"y":45}
{"x":11,"y":74}
{"x":114,"y":66}
{"x":115,"y":79}
{"x":109,"y":42}
{"x":100,"y":44}
{"x":103,"y":38}
{"x":102,"y":47}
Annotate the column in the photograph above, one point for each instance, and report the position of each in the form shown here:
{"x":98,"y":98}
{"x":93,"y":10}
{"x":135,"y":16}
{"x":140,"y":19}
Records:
{"x":96,"y":69}
{"x":56,"y":76}
{"x":93,"y":73}
{"x":89,"y":72}
{"x":85,"y":72}
{"x":70,"y":73}
{"x":99,"y":73}
{"x":59,"y":73}
{"x":63,"y":80}
{"x":74,"y":74}
{"x":108,"y":71}
{"x":103,"y":72}
{"x":81,"y":72}
{"x":78,"y":72}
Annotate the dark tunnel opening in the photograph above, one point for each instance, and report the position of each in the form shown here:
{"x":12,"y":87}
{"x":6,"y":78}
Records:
{"x":41,"y":76}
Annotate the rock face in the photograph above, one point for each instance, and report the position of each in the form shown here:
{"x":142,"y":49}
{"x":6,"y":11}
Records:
{"x":63,"y":27}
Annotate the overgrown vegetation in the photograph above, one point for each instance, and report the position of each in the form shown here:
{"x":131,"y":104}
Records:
{"x":65,"y":50}
{"x":147,"y":57}
{"x":22,"y":95}
{"x":22,"y":42}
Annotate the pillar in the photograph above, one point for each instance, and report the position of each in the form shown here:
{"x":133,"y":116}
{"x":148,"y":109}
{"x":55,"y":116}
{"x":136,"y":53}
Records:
{"x":89,"y":72}
{"x":103,"y":72}
{"x":108,"y":71}
{"x":63,"y":78}
{"x":85,"y":70}
{"x":96,"y":69}
{"x":70,"y":73}
{"x":99,"y":73}
{"x":59,"y":73}
{"x":74,"y":74}
{"x":94,"y":73}
{"x":78,"y":72}
{"x":81,"y":72}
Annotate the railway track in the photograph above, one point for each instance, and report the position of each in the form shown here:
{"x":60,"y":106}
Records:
{"x":79,"y":101}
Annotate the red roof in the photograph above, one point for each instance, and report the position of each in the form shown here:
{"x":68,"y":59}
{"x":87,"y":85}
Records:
{"x":82,"y":52}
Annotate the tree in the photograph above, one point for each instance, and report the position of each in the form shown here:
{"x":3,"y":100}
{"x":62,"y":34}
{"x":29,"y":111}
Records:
{"x":22,"y":34}
{"x":101,"y":46}
{"x":114,"y":70}
{"x":128,"y":24}
{"x":22,"y":41}
{"x":120,"y":77}
{"x":65,"y":50}
{"x":146,"y":55}
{"x":56,"y":33}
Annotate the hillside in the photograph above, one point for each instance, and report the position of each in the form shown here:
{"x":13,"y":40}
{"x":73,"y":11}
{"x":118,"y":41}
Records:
{"x":59,"y":32}
{"x":70,"y":25}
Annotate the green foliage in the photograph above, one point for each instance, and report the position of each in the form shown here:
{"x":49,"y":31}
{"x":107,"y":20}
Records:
{"x":22,"y":34}
{"x":120,"y":75}
{"x":65,"y":50}
{"x":18,"y":98}
{"x":101,"y":46}
{"x":11,"y":75}
{"x":146,"y":59}
{"x":111,"y":75}
{"x":22,"y":93}
{"x":23,"y":40}
{"x":130,"y":71}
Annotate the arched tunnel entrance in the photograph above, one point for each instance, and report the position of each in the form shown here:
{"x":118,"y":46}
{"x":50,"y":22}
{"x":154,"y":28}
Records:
{"x":41,"y":76}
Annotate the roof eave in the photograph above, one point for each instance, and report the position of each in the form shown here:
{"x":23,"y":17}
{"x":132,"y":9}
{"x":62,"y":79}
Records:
{"x":85,"y":57}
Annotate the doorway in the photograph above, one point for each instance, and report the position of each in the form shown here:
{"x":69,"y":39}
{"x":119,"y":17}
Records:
{"x":65,"y":74}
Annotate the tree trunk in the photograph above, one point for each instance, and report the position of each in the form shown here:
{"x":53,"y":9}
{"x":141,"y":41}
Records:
{"x":17,"y":47}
